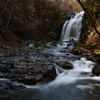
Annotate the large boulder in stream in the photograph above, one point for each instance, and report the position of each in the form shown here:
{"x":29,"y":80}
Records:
{"x":29,"y":72}
{"x":65,"y":64}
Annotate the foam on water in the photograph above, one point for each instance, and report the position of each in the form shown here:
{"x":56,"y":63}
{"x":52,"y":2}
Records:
{"x":84,"y":87}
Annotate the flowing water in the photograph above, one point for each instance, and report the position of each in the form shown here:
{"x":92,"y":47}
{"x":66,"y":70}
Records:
{"x":75,"y":84}
{"x":72,"y":28}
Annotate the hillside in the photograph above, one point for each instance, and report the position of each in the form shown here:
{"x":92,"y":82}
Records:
{"x":29,"y":20}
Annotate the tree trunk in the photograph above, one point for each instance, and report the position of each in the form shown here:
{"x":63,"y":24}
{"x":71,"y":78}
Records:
{"x":89,"y":16}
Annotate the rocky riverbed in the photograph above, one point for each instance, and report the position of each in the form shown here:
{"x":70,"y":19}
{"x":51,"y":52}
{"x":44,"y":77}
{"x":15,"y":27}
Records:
{"x":31,"y":64}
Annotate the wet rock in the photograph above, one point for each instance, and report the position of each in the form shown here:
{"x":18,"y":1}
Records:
{"x":9,"y":75}
{"x":38,"y":67}
{"x":18,"y":60}
{"x":77,"y":50}
{"x":30,"y":45}
{"x":38,"y":77}
{"x":23,"y":66}
{"x":20,"y":69}
{"x":86,"y":74}
{"x":90,"y":58}
{"x":4,"y":68}
{"x":43,"y":69}
{"x":4,"y":85}
{"x":27,"y":70}
{"x":51,"y":72}
{"x":68,"y":66}
{"x":66,"y":50}
{"x":1,"y":55}
{"x":13,"y":86}
{"x":96,"y":69}
{"x":7,"y":88}
{"x":12,"y":53}
{"x":62,"y":50}
{"x":27,"y":79}
{"x":65,"y":64}
{"x":1,"y":75}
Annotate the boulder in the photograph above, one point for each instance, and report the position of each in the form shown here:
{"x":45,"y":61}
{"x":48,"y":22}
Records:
{"x":96,"y":69}
{"x":44,"y":70}
{"x":28,"y":72}
{"x":65,"y":64}
{"x":22,"y":69}
{"x":49,"y":71}
{"x":77,"y":50}
{"x":27,"y":79}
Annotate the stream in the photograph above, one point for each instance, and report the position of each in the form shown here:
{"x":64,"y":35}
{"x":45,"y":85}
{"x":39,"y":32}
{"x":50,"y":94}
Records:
{"x":77,"y":83}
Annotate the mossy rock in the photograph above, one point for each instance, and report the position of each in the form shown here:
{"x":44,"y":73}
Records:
{"x":96,"y":54}
{"x":77,"y":50}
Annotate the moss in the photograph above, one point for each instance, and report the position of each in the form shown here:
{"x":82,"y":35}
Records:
{"x":28,"y":61}
{"x":96,"y":54}
{"x":77,"y":50}
{"x":26,"y":50}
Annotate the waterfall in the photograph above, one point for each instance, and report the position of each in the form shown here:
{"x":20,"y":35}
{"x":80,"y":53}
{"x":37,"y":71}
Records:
{"x":72,"y":28}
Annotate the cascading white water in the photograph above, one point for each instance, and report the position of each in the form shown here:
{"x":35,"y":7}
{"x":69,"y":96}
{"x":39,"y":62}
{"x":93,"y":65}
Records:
{"x":82,"y":70}
{"x":72,"y":28}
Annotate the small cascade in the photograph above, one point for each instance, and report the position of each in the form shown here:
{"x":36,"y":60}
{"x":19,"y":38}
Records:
{"x":72,"y":28}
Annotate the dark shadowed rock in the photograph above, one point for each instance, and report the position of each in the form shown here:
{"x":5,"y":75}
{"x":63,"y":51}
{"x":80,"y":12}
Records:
{"x":51,"y":72}
{"x":7,"y":89}
{"x":1,"y":75}
{"x":38,"y":77}
{"x":96,"y":69}
{"x":65,"y":64}
{"x":27,"y":79}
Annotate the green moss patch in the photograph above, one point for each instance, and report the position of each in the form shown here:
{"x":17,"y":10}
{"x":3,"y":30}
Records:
{"x":77,"y":50}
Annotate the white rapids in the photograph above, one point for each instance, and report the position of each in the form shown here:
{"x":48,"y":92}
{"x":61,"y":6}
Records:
{"x":82,"y":71}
